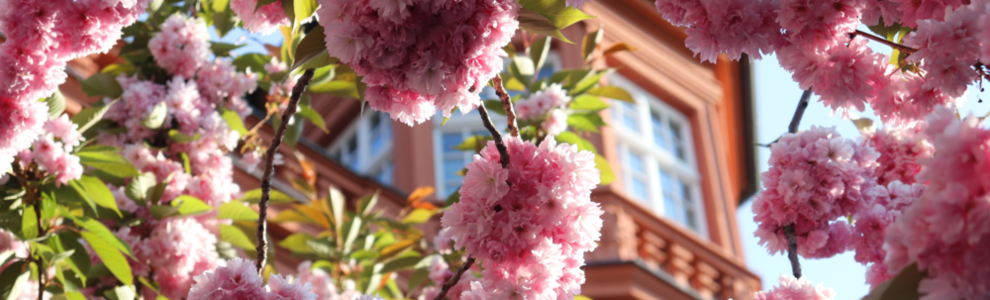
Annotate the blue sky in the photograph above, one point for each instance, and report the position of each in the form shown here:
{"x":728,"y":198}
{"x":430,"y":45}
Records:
{"x":776,"y":98}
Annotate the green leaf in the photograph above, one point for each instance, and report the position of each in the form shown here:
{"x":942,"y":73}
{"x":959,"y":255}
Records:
{"x":539,"y":24}
{"x":185,"y":163}
{"x":275,"y":197}
{"x":237,"y":211}
{"x":473,"y":143}
{"x":512,"y":83}
{"x":297,"y":243}
{"x":522,"y":68}
{"x":303,"y":9}
{"x":223,"y":21}
{"x":539,"y":51}
{"x":80,"y":262}
{"x":96,"y":191}
{"x":352,"y":234}
{"x":178,"y":137}
{"x":289,"y":8}
{"x":591,"y":41}
{"x":108,"y":160}
{"x":417,"y":278}
{"x":90,"y":115}
{"x":419,"y":216}
{"x":56,"y":104}
{"x":403,"y":263}
{"x":336,"y":87}
{"x":160,"y":212}
{"x":234,"y":121}
{"x":235,"y":236}
{"x":557,"y":12}
{"x":13,"y":280}
{"x":76,"y":295}
{"x":189,"y":205}
{"x":574,"y":139}
{"x":29,"y":223}
{"x":119,"y":68}
{"x":102,"y":84}
{"x":311,"y":47}
{"x":367,"y":203}
{"x":364,"y":255}
{"x":585,"y":122}
{"x":223,"y":49}
{"x":111,"y":257}
{"x":313,"y":116}
{"x":293,"y":133}
{"x":588,"y":82}
{"x":604,"y":169}
{"x":902,"y":286}
{"x":156,"y":118}
{"x":588,"y":102}
{"x":255,"y":61}
{"x":263,"y":3}
{"x":612,"y":92}
{"x":337,"y":206}
{"x":453,"y":198}
{"x":97,"y":229}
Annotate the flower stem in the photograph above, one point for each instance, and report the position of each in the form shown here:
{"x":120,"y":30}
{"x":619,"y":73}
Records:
{"x":881,"y":40}
{"x":507,"y":104}
{"x":503,"y":152}
{"x":457,"y":277}
{"x":266,"y":179}
{"x":789,"y":229}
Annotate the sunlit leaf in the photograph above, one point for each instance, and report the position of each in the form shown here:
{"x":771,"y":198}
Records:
{"x":13,"y":280}
{"x":111,"y":257}
{"x":102,"y":84}
{"x":275,"y":197}
{"x":235,"y":236}
{"x":296,"y":243}
{"x":313,"y":116}
{"x":89,"y":116}
{"x":56,"y":104}
{"x":539,"y":51}
{"x":418,"y":216}
{"x":312,"y":45}
{"x":237,"y":211}
{"x":590,"y":42}
{"x":607,"y":176}
{"x":612,"y":92}
{"x":588,"y":102}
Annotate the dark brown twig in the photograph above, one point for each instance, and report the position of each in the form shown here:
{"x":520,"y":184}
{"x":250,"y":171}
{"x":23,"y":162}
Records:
{"x":266,"y":179}
{"x":453,"y":280}
{"x":789,"y":229}
{"x":881,"y":40}
{"x":503,"y":153}
{"x":507,"y":104}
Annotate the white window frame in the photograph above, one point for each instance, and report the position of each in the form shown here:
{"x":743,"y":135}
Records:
{"x":466,"y":124}
{"x":654,"y":157}
{"x":368,"y":164}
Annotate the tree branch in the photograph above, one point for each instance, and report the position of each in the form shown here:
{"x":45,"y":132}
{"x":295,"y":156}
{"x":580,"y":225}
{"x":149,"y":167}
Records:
{"x":802,"y":105}
{"x":266,"y":179}
{"x":789,"y":229}
{"x":457,"y":277}
{"x":881,"y":40}
{"x":503,"y":153}
{"x":507,"y":104}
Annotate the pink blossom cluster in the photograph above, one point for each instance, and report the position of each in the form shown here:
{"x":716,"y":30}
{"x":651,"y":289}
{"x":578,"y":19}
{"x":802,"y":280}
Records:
{"x":948,"y":49}
{"x":440,"y":273}
{"x":53,"y":151}
{"x":41,"y":36}
{"x":420,"y":55}
{"x":900,"y":148}
{"x":947,"y":230}
{"x":531,"y":222}
{"x":731,"y":26}
{"x":323,"y":285}
{"x":815,"y":178}
{"x":796,"y":289}
{"x":870,"y":228}
{"x":176,"y":250}
{"x":264,"y":19}
{"x":577,"y":3}
{"x":239,"y":280}
{"x":545,"y":107}
{"x":183,"y":45}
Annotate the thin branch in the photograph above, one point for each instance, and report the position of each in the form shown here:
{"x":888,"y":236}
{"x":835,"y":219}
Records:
{"x":453,"y":280}
{"x":789,"y":229}
{"x":503,"y":152}
{"x":510,"y":113}
{"x":802,"y":105}
{"x":881,"y":40}
{"x":266,"y":180}
{"x":792,"y":250}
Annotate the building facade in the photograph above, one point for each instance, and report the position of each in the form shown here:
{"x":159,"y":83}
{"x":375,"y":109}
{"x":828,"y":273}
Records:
{"x":682,"y":155}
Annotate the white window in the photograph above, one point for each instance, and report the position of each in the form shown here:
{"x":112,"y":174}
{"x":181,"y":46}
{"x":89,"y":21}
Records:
{"x":655,"y":148}
{"x":449,"y":161}
{"x":366,"y":146}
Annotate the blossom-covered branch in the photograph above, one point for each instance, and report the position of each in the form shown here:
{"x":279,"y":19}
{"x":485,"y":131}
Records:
{"x":507,"y":104}
{"x":453,"y":280}
{"x":890,"y":44}
{"x":496,"y":135}
{"x":266,"y":179}
{"x":789,"y":233}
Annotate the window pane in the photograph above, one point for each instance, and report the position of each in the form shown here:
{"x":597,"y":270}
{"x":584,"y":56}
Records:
{"x":385,"y":174}
{"x":658,"y":137}
{"x":675,"y":137}
{"x":666,"y":182}
{"x":451,"y":167}
{"x":672,"y":210}
{"x":639,"y":189}
{"x":629,"y":116}
{"x":635,"y":163}
{"x":451,"y":140}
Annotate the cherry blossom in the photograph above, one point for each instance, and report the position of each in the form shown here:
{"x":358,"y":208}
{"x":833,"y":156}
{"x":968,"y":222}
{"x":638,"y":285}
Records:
{"x":532,"y":238}
{"x":182,"y":46}
{"x":264,"y":19}
{"x":439,"y":59}
{"x":789,"y":288}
